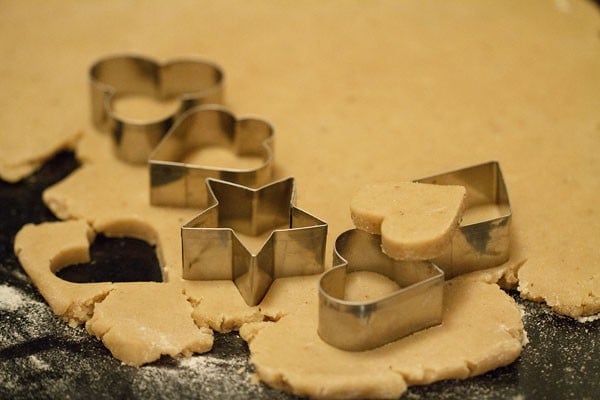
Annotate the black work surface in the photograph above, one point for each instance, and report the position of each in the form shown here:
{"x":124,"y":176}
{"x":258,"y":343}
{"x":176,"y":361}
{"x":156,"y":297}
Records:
{"x":41,"y":357}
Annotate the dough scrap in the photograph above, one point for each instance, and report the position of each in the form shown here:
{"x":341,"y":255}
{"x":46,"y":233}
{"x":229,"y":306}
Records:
{"x":416,"y":220}
{"x":21,"y":156}
{"x":140,"y":322}
{"x":219,"y":306}
{"x":137,"y":322}
{"x":481,"y":330}
{"x":46,"y":248}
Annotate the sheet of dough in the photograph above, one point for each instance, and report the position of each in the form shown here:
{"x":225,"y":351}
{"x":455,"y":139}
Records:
{"x":138,"y":322}
{"x":357,"y":93}
{"x":509,"y":81}
{"x":481,"y":329}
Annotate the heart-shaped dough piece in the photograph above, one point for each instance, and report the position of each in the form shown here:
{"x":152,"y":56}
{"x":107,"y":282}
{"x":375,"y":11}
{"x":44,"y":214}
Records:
{"x":416,"y":221}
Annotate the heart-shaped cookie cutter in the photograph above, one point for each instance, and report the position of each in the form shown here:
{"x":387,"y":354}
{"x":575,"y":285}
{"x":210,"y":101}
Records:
{"x":363,"y":325}
{"x":174,"y":182}
{"x":483,"y":238}
{"x":213,"y":251}
{"x":192,"y":81}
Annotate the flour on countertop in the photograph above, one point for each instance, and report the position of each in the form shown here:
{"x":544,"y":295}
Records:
{"x":204,"y":371}
{"x":589,"y":318}
{"x":11,"y":298}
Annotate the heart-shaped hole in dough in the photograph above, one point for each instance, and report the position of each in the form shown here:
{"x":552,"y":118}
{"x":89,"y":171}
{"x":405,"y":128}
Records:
{"x":416,"y":221}
{"x":116,"y":260}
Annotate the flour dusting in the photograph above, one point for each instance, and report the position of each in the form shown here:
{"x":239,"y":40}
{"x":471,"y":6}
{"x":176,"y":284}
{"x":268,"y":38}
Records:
{"x":11,"y":299}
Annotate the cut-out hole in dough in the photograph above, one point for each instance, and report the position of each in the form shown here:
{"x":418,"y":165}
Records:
{"x":109,"y":255}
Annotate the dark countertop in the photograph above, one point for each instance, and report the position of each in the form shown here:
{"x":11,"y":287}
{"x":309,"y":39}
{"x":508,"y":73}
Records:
{"x":41,"y":357}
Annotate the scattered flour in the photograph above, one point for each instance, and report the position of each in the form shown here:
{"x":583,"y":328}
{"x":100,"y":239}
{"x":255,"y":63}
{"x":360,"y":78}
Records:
{"x":204,"y":371}
{"x":24,"y":317}
{"x":38,"y":363}
{"x":589,"y":318}
{"x":11,"y":299}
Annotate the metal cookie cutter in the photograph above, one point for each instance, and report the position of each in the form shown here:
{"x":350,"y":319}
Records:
{"x":483,"y":239}
{"x":192,"y":81}
{"x":213,"y":251}
{"x":174,"y":182}
{"x":363,"y":325}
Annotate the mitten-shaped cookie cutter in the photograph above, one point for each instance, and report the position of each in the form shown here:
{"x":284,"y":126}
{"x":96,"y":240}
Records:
{"x":213,"y":251}
{"x":177,"y":183}
{"x":363,"y":325}
{"x":192,"y":81}
{"x":483,"y":238}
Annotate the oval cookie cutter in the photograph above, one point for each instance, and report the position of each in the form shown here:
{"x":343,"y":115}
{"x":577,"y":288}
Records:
{"x":483,"y":238}
{"x":193,"y":81}
{"x":174,"y":182}
{"x":213,"y":251}
{"x":363,"y":325}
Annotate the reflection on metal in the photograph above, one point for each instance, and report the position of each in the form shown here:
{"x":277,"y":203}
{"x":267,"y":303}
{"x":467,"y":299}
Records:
{"x":192,"y":81}
{"x":363,"y":325}
{"x":213,"y":251}
{"x":483,"y":239}
{"x":174,"y":182}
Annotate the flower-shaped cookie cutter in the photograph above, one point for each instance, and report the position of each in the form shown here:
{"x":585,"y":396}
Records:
{"x":363,"y":325}
{"x":192,"y":81}
{"x":174,"y":182}
{"x":483,"y":238}
{"x":213,"y":251}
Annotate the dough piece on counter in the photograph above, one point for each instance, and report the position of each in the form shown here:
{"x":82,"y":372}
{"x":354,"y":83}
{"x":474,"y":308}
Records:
{"x":218,"y":305}
{"x":416,"y":220}
{"x":46,"y":248}
{"x":137,"y":322}
{"x":140,"y":322}
{"x":575,"y":290}
{"x":20,"y":156}
{"x":481,"y":330}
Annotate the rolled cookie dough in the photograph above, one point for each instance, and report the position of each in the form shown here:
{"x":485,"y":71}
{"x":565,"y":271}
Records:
{"x":137,"y":322}
{"x":20,"y":156}
{"x":496,"y":87}
{"x":140,"y":322}
{"x":440,"y":105}
{"x":416,"y":220}
{"x":481,"y":330}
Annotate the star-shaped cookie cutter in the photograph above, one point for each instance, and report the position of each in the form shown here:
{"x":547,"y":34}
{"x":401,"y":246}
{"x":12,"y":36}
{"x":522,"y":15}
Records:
{"x":363,"y":325}
{"x":213,"y":251}
{"x":174,"y":182}
{"x":192,"y":81}
{"x":483,"y":238}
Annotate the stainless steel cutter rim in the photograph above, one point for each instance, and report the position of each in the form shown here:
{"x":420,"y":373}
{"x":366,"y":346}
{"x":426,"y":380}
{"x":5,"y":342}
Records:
{"x":364,"y":325}
{"x":269,"y":237}
{"x":182,"y":184}
{"x":501,"y":183}
{"x":110,"y":92}
{"x":343,"y":263}
{"x":483,"y":242}
{"x":262,"y":268}
{"x":267,"y":144}
{"x":189,"y":81}
{"x":215,"y":204}
{"x":370,"y":303}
